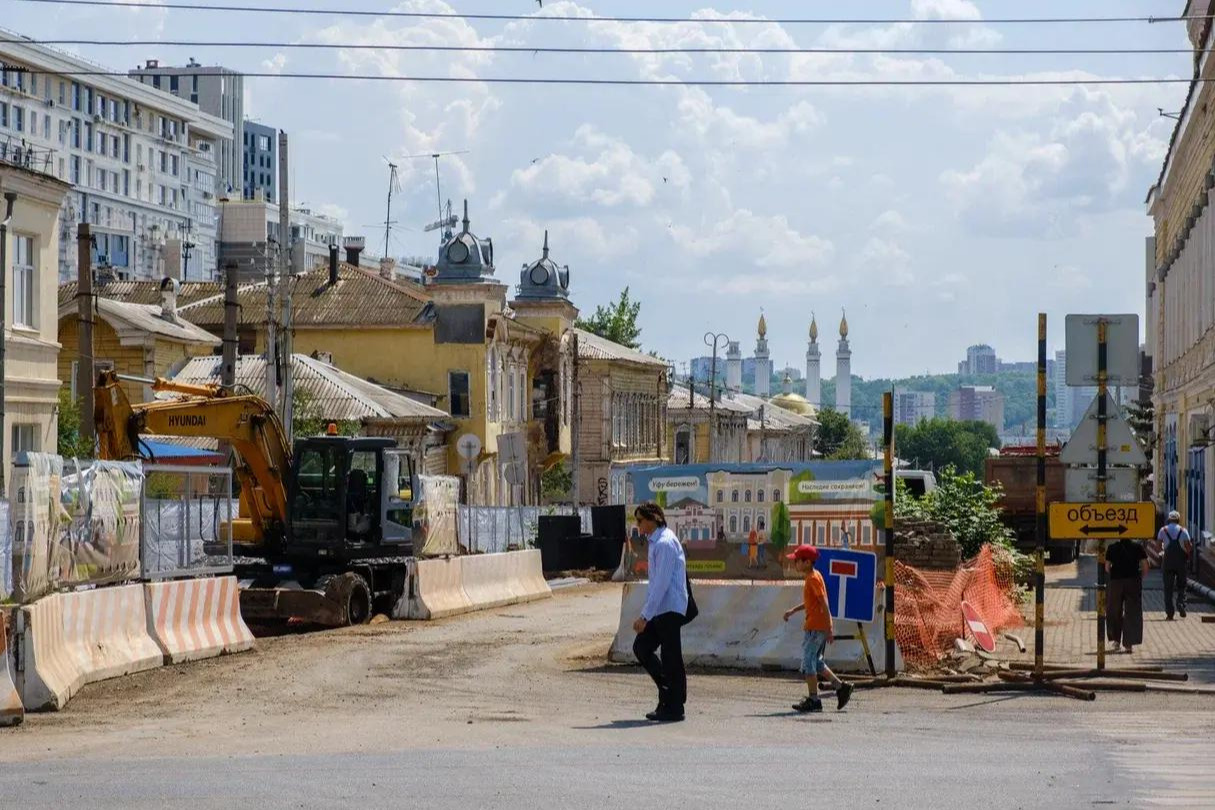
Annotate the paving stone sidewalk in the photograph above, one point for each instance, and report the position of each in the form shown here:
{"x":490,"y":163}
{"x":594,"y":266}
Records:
{"x":1182,"y":645}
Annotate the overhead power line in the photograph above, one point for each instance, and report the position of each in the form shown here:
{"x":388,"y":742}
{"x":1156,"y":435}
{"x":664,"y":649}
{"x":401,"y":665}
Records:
{"x":526,"y":49}
{"x":536,"y":80}
{"x":341,"y":12}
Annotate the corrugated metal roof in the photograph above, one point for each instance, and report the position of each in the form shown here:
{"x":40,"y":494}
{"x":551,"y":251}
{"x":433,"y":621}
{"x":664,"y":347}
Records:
{"x":678,"y":399}
{"x":142,"y":292}
{"x":334,"y":393}
{"x":594,"y":347}
{"x":774,"y":416}
{"x":125,"y":317}
{"x":360,"y":298}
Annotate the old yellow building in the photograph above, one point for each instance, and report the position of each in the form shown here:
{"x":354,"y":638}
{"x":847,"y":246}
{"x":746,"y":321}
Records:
{"x":141,"y":340}
{"x":1180,"y":297}
{"x":30,"y":201}
{"x":500,"y":369}
{"x":700,"y":432}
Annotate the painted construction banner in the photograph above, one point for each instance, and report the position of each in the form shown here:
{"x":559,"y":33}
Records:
{"x":434,"y":516}
{"x":79,"y":527}
{"x":736,"y":521}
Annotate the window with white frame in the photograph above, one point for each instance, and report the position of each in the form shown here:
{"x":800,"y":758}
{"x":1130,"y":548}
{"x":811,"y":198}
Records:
{"x":492,"y":367}
{"x":523,"y":394}
{"x":511,"y":401}
{"x":24,"y":282}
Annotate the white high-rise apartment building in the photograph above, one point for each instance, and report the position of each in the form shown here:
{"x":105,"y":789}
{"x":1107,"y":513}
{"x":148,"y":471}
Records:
{"x":142,"y":163}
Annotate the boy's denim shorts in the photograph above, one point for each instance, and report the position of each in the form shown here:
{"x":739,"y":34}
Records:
{"x":814,"y":645}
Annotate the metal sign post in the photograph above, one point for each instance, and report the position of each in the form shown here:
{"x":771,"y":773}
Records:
{"x":888,"y":516}
{"x":1040,"y":508}
{"x":1102,"y":416}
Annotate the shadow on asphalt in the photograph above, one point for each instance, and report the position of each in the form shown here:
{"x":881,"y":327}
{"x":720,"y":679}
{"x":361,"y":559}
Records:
{"x":620,"y":724}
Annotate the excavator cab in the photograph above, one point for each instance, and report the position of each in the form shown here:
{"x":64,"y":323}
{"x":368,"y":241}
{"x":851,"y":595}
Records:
{"x":350,"y":498}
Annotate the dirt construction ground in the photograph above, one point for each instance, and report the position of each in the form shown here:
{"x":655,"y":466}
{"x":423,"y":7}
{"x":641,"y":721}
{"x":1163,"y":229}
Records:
{"x":517,"y":707}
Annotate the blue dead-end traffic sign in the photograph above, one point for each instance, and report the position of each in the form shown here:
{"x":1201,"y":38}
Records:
{"x":851,"y":578}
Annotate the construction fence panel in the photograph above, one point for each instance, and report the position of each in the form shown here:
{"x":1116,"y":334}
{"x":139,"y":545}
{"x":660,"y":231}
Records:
{"x":496,"y":529}
{"x":74,"y":523}
{"x":187,"y":512}
{"x":434,"y":517}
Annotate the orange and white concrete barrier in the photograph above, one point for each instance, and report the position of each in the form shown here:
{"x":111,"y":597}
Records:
{"x":196,"y":618}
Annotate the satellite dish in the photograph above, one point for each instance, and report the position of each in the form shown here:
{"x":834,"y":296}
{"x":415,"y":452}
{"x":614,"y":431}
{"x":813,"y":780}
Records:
{"x":514,"y":474}
{"x":468,"y":446}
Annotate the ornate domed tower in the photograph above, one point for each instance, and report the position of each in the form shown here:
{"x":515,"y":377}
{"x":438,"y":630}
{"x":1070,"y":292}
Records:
{"x":843,"y":371}
{"x":814,"y":392}
{"x":465,"y":259}
{"x":763,"y":362}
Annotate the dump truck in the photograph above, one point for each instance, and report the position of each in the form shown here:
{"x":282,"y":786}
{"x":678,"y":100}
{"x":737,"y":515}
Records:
{"x":1015,"y":470}
{"x":325,"y":527}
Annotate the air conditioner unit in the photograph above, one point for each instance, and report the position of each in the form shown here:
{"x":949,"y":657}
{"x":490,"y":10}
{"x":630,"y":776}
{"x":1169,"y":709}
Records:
{"x":142,"y":168}
{"x":50,"y":102}
{"x":97,"y":119}
{"x":1200,"y":429}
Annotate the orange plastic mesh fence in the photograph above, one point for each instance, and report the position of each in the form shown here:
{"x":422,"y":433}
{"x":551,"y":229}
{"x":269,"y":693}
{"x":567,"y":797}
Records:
{"x":928,"y":604}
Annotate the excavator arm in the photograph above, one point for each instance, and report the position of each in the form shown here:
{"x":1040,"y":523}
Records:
{"x":245,"y":422}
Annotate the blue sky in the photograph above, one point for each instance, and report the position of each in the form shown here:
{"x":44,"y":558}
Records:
{"x":939,"y":217}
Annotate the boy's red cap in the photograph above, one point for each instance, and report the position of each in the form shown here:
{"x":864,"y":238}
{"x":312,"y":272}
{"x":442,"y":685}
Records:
{"x":809,"y":553}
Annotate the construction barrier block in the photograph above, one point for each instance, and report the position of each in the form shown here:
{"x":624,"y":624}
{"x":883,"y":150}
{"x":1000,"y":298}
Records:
{"x":525,"y":576}
{"x":741,"y":626}
{"x":50,"y":675}
{"x":12,"y":710}
{"x":197,"y":618}
{"x":436,"y":589}
{"x":106,"y":631}
{"x":487,"y":580}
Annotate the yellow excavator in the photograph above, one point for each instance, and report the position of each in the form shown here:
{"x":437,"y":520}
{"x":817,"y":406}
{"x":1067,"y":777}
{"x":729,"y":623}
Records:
{"x":325,"y":527}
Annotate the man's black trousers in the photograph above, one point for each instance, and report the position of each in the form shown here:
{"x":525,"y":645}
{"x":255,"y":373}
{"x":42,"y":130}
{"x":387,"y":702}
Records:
{"x":662,"y":632}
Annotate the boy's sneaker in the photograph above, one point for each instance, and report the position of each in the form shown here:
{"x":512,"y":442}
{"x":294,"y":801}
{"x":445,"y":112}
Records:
{"x":844,"y":694}
{"x":809,"y":704}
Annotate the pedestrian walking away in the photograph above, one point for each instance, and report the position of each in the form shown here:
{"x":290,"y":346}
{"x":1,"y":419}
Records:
{"x":1175,"y":549}
{"x":817,"y":633}
{"x":663,"y":614}
{"x":1126,"y":562}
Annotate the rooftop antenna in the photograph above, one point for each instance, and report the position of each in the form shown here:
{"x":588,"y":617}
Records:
{"x":435,"y":157}
{"x":394,"y":184}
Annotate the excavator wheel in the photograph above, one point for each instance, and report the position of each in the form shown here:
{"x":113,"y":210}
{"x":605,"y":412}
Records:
{"x":351,"y":594}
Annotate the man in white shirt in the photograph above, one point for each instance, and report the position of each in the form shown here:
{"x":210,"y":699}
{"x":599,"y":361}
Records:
{"x":662,"y":615}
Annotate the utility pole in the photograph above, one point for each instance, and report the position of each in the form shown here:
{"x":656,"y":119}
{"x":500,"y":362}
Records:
{"x":712,"y":339}
{"x":10,"y":199}
{"x":84,"y":331}
{"x":287,"y":271}
{"x":231,"y":306}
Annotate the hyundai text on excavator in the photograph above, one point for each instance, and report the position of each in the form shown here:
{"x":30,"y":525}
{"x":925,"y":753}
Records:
{"x":325,"y":528}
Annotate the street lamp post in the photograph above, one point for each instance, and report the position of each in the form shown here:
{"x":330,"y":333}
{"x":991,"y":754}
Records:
{"x":713,"y":339}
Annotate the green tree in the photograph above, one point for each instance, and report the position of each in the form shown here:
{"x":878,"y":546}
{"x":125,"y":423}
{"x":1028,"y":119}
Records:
{"x":69,"y":443}
{"x":616,"y":322}
{"x":962,"y":504}
{"x":837,"y":438}
{"x":943,"y":442}
{"x":556,"y":482}
{"x":782,"y":528}
{"x":307,"y":419}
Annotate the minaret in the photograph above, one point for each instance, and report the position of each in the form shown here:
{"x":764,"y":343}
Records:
{"x":733,"y":367}
{"x":843,"y":371}
{"x":763,"y":365}
{"x":814,"y":388}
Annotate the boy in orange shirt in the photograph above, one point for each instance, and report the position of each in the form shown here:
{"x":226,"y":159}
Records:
{"x":818,"y":632}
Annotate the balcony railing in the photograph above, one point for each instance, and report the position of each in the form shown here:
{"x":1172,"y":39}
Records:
{"x":35,"y":159}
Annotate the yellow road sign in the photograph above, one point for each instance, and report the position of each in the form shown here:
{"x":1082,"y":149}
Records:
{"x":1081,"y":521}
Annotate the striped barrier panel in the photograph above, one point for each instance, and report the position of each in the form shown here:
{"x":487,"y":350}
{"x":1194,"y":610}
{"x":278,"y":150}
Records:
{"x":436,"y":589}
{"x":106,"y":632}
{"x":12,"y":711}
{"x":196,"y":618}
{"x":741,"y":625}
{"x":49,"y":675}
{"x":487,"y":580}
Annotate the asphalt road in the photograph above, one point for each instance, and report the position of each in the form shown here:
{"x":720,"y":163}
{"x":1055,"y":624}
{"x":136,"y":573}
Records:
{"x":516,"y":709}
